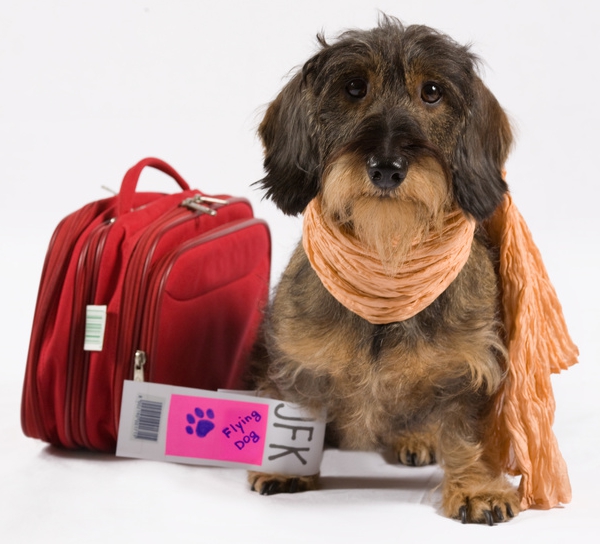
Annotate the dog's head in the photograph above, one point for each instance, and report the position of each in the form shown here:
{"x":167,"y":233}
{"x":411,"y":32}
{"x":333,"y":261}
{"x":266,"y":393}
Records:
{"x":383,"y":118}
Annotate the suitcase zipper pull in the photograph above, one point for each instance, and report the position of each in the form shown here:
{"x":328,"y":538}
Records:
{"x":211,"y":199}
{"x":139,"y":360}
{"x":196,"y":203}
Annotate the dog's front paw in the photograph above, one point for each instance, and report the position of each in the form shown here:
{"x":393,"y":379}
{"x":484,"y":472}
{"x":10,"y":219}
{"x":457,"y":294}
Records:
{"x":488,"y":505}
{"x":416,"y":450}
{"x":271,"y":484}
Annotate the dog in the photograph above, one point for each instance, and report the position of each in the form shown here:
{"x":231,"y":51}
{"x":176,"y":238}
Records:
{"x":390,"y":130}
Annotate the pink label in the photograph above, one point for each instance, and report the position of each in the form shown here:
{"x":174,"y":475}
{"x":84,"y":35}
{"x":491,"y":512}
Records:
{"x":209,"y":428}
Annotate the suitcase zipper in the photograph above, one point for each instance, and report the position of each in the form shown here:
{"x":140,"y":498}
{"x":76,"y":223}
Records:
{"x":196,"y":203}
{"x":139,"y":267}
{"x":138,"y":365}
{"x":136,"y":277}
{"x":132,"y":284}
{"x":86,"y":280}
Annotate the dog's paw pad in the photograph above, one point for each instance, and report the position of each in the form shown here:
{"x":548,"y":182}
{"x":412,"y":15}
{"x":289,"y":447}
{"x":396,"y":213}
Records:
{"x":198,"y":424}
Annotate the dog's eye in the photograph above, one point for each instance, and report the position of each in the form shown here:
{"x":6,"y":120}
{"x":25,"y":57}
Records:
{"x":357,"y":88}
{"x":431,"y":93}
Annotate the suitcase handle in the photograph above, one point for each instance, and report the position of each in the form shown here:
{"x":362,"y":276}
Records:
{"x":132,"y":176}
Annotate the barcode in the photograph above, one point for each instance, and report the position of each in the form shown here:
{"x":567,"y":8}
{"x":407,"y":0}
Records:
{"x":95,"y":323}
{"x":147,"y":419}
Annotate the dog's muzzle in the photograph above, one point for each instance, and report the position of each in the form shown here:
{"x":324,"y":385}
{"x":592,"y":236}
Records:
{"x":386,"y":173}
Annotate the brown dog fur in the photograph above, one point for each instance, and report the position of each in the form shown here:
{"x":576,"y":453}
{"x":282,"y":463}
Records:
{"x":424,"y":386}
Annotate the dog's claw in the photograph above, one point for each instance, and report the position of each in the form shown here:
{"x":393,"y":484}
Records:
{"x":273,"y":484}
{"x":412,"y":459}
{"x":270,"y":488}
{"x":509,"y":511}
{"x":489,"y":517}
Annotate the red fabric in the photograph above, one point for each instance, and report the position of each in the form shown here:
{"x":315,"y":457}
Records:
{"x":186,"y":287}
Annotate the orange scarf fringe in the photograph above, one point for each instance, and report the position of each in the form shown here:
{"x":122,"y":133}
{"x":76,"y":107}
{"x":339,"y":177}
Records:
{"x":521,"y":440}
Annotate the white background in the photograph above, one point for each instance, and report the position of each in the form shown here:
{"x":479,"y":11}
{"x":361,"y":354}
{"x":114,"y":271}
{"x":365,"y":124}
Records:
{"x":89,"y":88}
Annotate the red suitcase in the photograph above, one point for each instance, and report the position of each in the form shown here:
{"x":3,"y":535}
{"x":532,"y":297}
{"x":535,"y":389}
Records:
{"x":145,"y":286}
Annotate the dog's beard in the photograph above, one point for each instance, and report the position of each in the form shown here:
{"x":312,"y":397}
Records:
{"x":390,"y":224}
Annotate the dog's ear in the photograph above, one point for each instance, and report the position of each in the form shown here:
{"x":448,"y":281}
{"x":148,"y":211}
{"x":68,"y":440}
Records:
{"x":480,"y":154}
{"x":291,"y":156}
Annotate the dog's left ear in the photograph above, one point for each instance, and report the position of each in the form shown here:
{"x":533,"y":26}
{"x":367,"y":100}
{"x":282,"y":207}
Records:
{"x":480,"y":154}
{"x":291,"y":156}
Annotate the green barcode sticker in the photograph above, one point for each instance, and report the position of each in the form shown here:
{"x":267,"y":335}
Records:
{"x":95,"y":323}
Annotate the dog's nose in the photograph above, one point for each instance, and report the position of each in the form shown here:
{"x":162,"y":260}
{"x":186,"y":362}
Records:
{"x":387,"y":173}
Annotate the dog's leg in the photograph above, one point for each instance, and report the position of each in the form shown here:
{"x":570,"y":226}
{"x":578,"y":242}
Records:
{"x":271,"y":484}
{"x":472,"y":491}
{"x":417,"y":449}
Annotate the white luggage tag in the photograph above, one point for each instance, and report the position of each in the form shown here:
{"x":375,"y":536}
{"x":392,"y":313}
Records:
{"x":235,"y":429}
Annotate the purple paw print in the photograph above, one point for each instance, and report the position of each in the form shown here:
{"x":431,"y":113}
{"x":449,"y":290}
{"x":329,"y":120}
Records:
{"x":198,"y":425}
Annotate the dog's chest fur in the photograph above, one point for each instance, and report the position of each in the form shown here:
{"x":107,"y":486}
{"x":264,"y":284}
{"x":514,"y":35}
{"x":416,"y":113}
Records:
{"x":379,"y":381}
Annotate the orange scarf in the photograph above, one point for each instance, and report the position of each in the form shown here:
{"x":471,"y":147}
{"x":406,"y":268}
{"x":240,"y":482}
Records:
{"x":520,"y":441}
{"x":539,"y":344}
{"x":357,"y":278}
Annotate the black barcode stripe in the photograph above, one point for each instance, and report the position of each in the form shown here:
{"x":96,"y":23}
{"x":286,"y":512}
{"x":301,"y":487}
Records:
{"x":147,"y":421}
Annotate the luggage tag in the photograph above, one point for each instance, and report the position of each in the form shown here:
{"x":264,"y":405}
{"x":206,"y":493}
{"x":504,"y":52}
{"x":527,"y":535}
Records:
{"x":229,"y":429}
